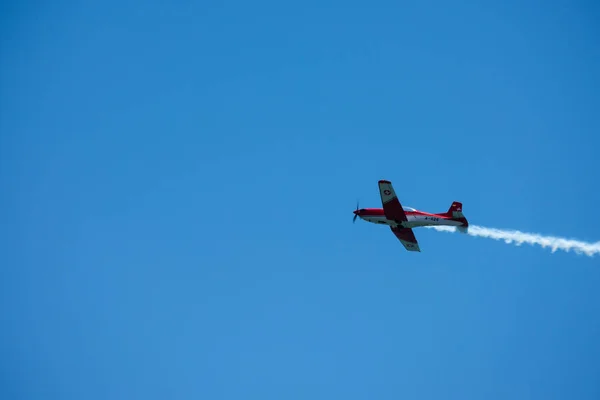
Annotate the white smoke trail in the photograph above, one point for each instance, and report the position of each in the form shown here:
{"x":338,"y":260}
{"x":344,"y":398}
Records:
{"x":518,"y":238}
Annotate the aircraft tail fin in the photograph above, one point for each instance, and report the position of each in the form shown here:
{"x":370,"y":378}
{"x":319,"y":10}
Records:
{"x":455,"y":212}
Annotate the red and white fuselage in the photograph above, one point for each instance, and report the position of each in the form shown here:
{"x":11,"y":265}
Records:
{"x":416,"y":218}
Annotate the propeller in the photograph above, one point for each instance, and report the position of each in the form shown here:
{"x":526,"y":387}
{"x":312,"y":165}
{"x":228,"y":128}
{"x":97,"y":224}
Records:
{"x":355,"y":213}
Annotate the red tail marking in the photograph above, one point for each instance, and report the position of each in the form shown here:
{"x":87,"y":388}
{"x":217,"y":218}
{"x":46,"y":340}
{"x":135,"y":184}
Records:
{"x":456,"y":206}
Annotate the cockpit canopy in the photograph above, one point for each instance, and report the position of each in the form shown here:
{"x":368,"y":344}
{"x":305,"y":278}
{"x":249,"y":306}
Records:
{"x":408,"y":209}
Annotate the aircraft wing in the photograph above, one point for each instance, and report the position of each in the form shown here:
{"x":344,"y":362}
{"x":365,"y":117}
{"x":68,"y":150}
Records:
{"x":407,"y":238}
{"x":391,"y":205}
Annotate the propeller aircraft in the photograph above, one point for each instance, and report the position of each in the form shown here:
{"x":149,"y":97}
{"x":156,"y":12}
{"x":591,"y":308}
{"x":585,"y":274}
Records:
{"x":401,"y":219}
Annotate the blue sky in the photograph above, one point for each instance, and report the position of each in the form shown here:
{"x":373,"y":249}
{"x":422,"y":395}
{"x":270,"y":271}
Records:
{"x":179,"y":178}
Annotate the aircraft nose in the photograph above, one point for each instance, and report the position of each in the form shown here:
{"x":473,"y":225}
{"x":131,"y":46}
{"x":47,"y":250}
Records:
{"x":356,"y":214}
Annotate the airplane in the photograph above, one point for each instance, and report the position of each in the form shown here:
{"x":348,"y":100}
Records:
{"x":401,"y":219}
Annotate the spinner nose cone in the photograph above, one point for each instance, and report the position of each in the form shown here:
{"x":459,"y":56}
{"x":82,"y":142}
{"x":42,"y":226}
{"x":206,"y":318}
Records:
{"x":356,"y":214}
